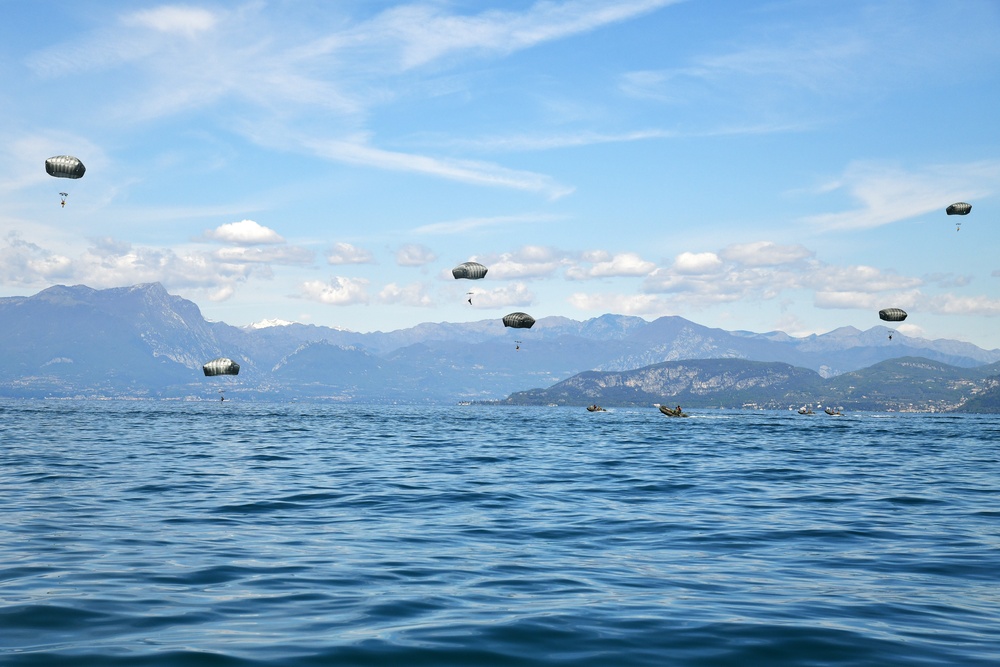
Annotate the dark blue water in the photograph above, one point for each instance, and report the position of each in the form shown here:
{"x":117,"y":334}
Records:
{"x":163,"y":533}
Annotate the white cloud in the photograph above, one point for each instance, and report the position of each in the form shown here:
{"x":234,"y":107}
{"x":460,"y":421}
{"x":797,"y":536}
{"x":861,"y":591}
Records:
{"x":888,"y":193}
{"x":339,"y":291}
{"x":858,"y":278}
{"x":272,"y":255}
{"x":243,"y":61}
{"x":108,"y":262}
{"x":763,"y":270}
{"x":765,"y":253}
{"x":410,"y":295}
{"x":222,"y":294}
{"x":523,"y":143}
{"x":626,"y":304}
{"x":423,"y":33}
{"x":527,"y":262}
{"x":950,"y":304}
{"x":514,"y":294}
{"x":846,"y":299}
{"x":244,"y":232}
{"x":179,"y":19}
{"x":697,"y":263}
{"x":466,"y":171}
{"x":606,"y":266}
{"x":472,"y":224}
{"x":414,"y":254}
{"x":345,"y":253}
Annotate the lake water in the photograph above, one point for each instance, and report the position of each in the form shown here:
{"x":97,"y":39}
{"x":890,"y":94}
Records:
{"x":187,"y":533}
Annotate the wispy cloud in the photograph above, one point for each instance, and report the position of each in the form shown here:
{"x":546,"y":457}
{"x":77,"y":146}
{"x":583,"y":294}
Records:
{"x":244,"y":232}
{"x":345,"y":253}
{"x":626,"y":304}
{"x":513,"y":294}
{"x":603,"y":264}
{"x":541,"y":142}
{"x":472,"y":224}
{"x":339,"y":291}
{"x":530,"y":261}
{"x":421,"y":34}
{"x":888,"y":193}
{"x":414,"y":254}
{"x":177,"y":19}
{"x":776,"y":71}
{"x":467,"y":171}
{"x":408,"y":295}
{"x":737,"y":273}
{"x":109,"y":262}
{"x":192,"y":57}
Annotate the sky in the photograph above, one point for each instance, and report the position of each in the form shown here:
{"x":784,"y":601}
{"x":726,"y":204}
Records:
{"x":749,"y":165}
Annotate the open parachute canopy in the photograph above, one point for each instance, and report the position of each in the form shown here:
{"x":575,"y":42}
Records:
{"x":958,"y":208}
{"x":892,"y":314}
{"x":65,"y":166}
{"x":221,"y":366}
{"x":470,"y":270}
{"x":518,"y":321}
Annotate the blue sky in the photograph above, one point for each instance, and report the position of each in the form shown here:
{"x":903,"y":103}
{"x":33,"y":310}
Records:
{"x":747,"y":165}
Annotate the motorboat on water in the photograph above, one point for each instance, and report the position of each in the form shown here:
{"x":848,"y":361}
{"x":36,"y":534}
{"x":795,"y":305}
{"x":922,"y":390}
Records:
{"x":672,"y":412}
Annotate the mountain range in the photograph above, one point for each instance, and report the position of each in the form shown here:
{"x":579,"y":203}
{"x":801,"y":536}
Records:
{"x":899,"y":385}
{"x":141,"y":341}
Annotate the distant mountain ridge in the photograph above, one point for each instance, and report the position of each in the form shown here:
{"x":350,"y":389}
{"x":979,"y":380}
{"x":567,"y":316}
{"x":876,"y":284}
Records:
{"x":141,"y":341}
{"x":903,"y":384}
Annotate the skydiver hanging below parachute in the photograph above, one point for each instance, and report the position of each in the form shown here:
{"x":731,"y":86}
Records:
{"x":64,"y":166}
{"x":221,"y":366}
{"x":469,"y":271}
{"x":892,"y":315}
{"x":518,"y":321}
{"x":958,"y":208}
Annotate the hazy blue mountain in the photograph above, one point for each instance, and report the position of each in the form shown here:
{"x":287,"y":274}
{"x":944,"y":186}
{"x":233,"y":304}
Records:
{"x":723,"y":383}
{"x":143,"y":341}
{"x":906,"y":383}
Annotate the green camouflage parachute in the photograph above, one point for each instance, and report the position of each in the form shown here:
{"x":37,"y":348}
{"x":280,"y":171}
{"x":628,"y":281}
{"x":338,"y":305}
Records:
{"x":469,"y":270}
{"x":65,"y":166}
{"x":221,"y":366}
{"x":892,"y":314}
{"x":518,"y":321}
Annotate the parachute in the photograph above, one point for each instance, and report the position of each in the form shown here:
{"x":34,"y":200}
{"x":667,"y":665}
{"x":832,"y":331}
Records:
{"x":892,"y":314}
{"x":469,"y":270}
{"x":65,"y":166}
{"x":221,"y":366}
{"x":958,"y":208}
{"x":518,"y":321}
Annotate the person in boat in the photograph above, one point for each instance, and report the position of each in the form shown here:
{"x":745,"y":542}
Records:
{"x":677,"y":409}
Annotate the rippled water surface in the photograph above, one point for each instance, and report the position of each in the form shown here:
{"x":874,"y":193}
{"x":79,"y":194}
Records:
{"x":162,"y":533}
